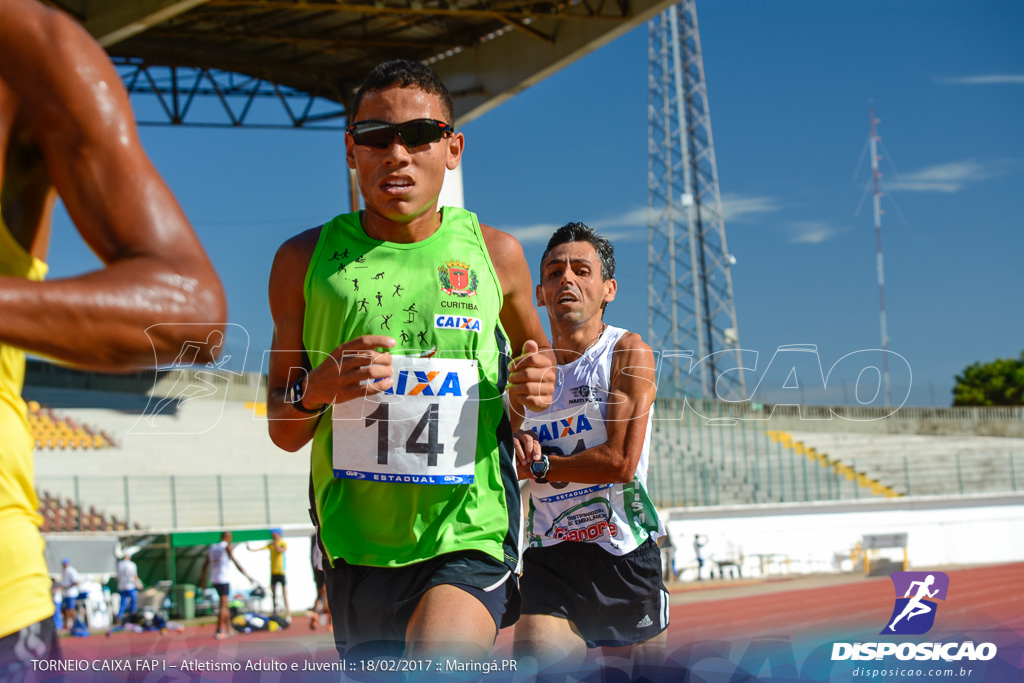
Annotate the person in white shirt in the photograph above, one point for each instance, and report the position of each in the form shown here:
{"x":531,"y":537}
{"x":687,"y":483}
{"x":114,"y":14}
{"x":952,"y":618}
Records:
{"x":218,"y":559}
{"x":128,"y":585}
{"x":69,"y":580}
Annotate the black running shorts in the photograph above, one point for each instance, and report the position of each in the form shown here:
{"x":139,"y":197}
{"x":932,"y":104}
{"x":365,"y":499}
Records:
{"x":371,"y":606}
{"x":614,"y":600}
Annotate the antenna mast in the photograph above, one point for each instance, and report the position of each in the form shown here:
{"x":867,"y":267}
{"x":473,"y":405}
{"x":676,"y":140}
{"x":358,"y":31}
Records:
{"x":877,"y":203}
{"x":690,"y":304}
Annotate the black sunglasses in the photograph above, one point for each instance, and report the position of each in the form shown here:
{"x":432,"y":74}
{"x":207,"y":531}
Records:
{"x":379,"y":134}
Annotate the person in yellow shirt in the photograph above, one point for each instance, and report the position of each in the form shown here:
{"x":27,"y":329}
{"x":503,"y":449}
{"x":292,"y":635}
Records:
{"x":67,"y":129}
{"x":277,"y":548}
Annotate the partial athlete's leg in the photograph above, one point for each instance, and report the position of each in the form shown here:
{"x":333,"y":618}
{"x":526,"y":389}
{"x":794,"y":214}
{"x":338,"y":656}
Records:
{"x":223,"y":618}
{"x":642,"y":661}
{"x":284,"y":596}
{"x":327,"y":609}
{"x":554,"y":644}
{"x":133,"y":602}
{"x":448,"y":621}
{"x":122,"y":608}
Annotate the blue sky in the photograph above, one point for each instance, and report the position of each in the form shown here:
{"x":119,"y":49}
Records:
{"x":789,"y":87}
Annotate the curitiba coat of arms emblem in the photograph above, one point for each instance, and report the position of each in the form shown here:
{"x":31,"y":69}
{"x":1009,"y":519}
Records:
{"x":457,"y":278}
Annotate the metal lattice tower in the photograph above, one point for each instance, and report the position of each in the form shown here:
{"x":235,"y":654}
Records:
{"x":689,"y":284}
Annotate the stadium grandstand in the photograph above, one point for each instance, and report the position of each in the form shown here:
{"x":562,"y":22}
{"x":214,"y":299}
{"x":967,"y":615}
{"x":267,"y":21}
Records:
{"x":172,"y":459}
{"x":770,"y":494}
{"x":717,"y":454}
{"x":149,"y":452}
{"x":173,"y":455}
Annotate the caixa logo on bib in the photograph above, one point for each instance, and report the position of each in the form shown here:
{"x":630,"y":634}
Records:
{"x":548,"y":431}
{"x":426,"y":383}
{"x":443,"y":321}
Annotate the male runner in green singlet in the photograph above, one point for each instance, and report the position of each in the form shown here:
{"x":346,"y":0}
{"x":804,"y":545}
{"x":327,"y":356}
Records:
{"x":66,"y":128}
{"x":405,"y":315}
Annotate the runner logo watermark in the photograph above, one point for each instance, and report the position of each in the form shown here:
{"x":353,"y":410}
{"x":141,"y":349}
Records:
{"x":914,"y":613}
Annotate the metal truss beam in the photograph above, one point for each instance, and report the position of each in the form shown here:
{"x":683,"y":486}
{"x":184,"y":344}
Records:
{"x":176,"y":89}
{"x":112,"y":21}
{"x":507,"y":11}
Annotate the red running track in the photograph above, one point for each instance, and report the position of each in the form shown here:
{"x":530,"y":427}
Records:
{"x":978,"y":598}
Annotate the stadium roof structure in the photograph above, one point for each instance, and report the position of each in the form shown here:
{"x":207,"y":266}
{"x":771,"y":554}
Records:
{"x":485,"y":50}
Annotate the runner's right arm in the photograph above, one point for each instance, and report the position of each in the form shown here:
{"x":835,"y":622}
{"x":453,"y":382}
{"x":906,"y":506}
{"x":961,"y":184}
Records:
{"x":71,"y":129}
{"x":342,"y":377}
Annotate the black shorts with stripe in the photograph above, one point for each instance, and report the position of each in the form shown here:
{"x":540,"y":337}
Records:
{"x":371,"y":606}
{"x":614,"y":600}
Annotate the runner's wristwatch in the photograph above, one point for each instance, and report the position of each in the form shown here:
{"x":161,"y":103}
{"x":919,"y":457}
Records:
{"x":294,"y":397}
{"x":540,"y":469}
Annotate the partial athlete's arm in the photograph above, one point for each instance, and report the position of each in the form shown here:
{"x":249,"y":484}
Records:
{"x":69,"y":103}
{"x":630,"y":398}
{"x":232,"y":556}
{"x":290,"y":428}
{"x":338,"y":378}
{"x":532,"y":371}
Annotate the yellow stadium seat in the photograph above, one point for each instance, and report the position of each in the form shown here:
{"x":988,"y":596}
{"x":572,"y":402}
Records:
{"x":259,"y":409}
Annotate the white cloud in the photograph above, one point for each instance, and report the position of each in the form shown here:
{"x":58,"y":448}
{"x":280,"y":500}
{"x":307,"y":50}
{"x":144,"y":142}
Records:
{"x":632,"y":224}
{"x":634,"y":218}
{"x":532,"y":234}
{"x":948,"y":178}
{"x":812,"y":232}
{"x":736,"y":207}
{"x":986,"y":79}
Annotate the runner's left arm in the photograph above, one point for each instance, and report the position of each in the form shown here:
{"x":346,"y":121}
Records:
{"x":630,"y":399}
{"x":531,"y":381}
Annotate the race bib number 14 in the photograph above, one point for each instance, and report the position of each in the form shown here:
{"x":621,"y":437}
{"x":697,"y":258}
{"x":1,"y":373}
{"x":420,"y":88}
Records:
{"x":422,"y":431}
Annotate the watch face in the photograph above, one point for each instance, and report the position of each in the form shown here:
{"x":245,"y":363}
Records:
{"x":539,"y":468}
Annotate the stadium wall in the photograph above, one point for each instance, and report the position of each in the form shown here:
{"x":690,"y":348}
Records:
{"x":820,"y":536}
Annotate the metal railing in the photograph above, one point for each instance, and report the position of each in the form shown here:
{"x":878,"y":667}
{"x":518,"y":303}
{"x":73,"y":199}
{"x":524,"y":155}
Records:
{"x":715,"y":459}
{"x":183,"y":502}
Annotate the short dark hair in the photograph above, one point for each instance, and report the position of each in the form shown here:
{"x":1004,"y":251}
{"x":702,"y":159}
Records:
{"x":580,"y":232}
{"x":404,"y":74}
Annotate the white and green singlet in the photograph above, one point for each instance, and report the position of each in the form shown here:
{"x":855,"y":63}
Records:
{"x":618,"y":517}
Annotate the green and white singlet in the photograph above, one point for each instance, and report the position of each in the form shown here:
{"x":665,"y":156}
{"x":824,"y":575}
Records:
{"x":426,"y":468}
{"x":617,"y":517}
